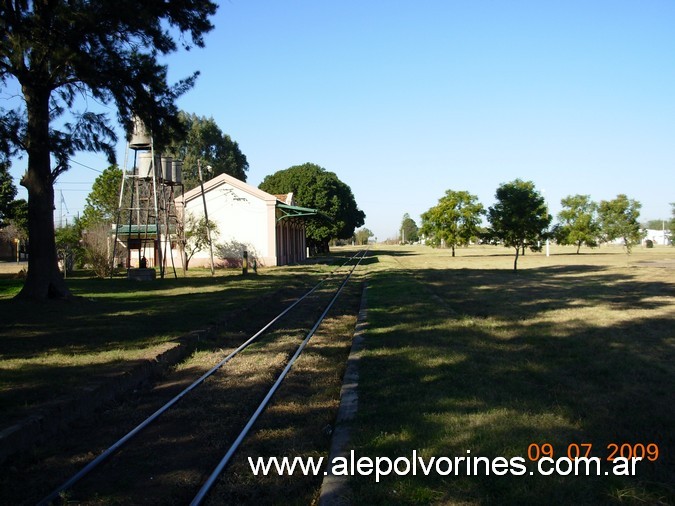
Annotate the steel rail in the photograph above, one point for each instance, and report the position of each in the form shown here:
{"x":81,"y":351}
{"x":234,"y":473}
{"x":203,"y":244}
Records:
{"x":244,"y":432}
{"x":134,"y":432}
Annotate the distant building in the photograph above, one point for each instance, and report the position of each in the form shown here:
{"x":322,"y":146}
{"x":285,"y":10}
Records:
{"x":271,"y":228}
{"x":658,"y":237}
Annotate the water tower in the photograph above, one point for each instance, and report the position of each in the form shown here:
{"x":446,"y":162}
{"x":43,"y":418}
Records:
{"x":147,"y":225}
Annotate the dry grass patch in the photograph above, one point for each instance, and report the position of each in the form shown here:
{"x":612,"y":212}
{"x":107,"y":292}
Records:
{"x":464,"y":355}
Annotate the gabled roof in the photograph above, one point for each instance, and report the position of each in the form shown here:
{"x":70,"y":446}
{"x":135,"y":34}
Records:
{"x":283,"y":202}
{"x":217,"y":181}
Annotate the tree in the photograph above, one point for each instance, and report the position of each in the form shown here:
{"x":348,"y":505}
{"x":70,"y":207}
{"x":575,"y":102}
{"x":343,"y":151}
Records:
{"x":409,"y":230}
{"x":578,"y":222}
{"x":619,"y":220}
{"x":362,"y":235}
{"x":69,"y":245}
{"x":453,"y":221}
{"x":14,"y":225}
{"x":520,"y":217}
{"x":197,"y":236}
{"x":7,"y":194}
{"x":205,"y":142}
{"x":107,"y":52}
{"x":19,"y":218}
{"x":103,"y":200}
{"x":316,"y":188}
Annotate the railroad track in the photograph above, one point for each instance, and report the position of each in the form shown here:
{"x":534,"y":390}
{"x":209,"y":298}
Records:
{"x":286,"y":335}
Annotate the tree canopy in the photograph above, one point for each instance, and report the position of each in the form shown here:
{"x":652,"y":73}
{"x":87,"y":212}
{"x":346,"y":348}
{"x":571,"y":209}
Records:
{"x":520,"y":217}
{"x":7,"y":194}
{"x":619,"y":219}
{"x":453,"y":221}
{"x":103,"y":200}
{"x":204,"y":141}
{"x":362,"y":236}
{"x":578,"y":222}
{"x":316,"y":188}
{"x":409,"y":230}
{"x":106,"y":51}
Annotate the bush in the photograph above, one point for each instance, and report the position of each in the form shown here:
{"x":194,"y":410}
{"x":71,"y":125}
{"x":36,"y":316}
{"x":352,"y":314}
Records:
{"x":96,"y":249}
{"x":649,"y":243}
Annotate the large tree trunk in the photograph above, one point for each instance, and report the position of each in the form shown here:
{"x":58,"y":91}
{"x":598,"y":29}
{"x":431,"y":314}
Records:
{"x":44,"y":279}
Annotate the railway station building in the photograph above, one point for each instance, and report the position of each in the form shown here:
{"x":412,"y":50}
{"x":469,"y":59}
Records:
{"x":270,"y":228}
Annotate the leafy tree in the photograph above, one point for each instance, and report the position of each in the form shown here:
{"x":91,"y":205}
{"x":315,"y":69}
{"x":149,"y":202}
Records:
{"x":106,"y":51}
{"x":15,"y":228}
{"x":578,"y":222}
{"x":453,"y":221}
{"x":69,"y":245}
{"x":206,"y":142}
{"x":619,"y":220}
{"x":7,"y":193}
{"x":103,"y":200}
{"x":19,"y":218}
{"x":520,"y":217}
{"x":409,"y":230}
{"x":362,"y":235}
{"x":316,"y":188}
{"x":197,"y":236}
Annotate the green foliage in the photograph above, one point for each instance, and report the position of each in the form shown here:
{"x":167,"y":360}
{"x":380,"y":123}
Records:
{"x":16,"y":227}
{"x":69,"y":245}
{"x":520,"y":217}
{"x":578,"y":222}
{"x":7,"y":194}
{"x":453,"y":221}
{"x":106,"y":51}
{"x":103,"y":200}
{"x":362,"y":235}
{"x":409,"y":230}
{"x":619,"y":219}
{"x":316,"y":188}
{"x":204,"y":141}
{"x":19,"y":213}
{"x":197,"y":236}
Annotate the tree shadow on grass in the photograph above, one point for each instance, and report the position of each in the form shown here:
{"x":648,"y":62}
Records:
{"x":174,"y":457}
{"x":495,"y":375}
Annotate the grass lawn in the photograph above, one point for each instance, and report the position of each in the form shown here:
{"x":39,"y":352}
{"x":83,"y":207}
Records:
{"x":464,"y":355}
{"x":461,"y":355}
{"x":48,"y":349}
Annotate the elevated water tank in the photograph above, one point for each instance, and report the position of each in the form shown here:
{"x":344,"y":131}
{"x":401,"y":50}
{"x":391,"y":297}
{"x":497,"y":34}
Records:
{"x":177,"y":170}
{"x":140,"y":136}
{"x":145,"y":167}
{"x":167,"y":169}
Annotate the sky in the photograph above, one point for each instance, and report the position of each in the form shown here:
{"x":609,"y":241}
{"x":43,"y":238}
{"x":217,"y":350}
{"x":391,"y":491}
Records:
{"x":404,"y":100}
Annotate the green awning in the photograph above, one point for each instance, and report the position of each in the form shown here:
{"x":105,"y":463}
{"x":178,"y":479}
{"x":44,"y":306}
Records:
{"x":295,"y":211}
{"x":149,"y":229}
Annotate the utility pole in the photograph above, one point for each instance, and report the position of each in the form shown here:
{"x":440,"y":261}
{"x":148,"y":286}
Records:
{"x":206,"y":214}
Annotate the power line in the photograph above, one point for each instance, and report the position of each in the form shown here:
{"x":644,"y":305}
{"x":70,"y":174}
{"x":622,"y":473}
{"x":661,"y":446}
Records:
{"x":86,"y":166}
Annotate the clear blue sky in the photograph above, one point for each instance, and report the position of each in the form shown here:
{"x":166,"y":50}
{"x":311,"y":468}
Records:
{"x":404,"y":100}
